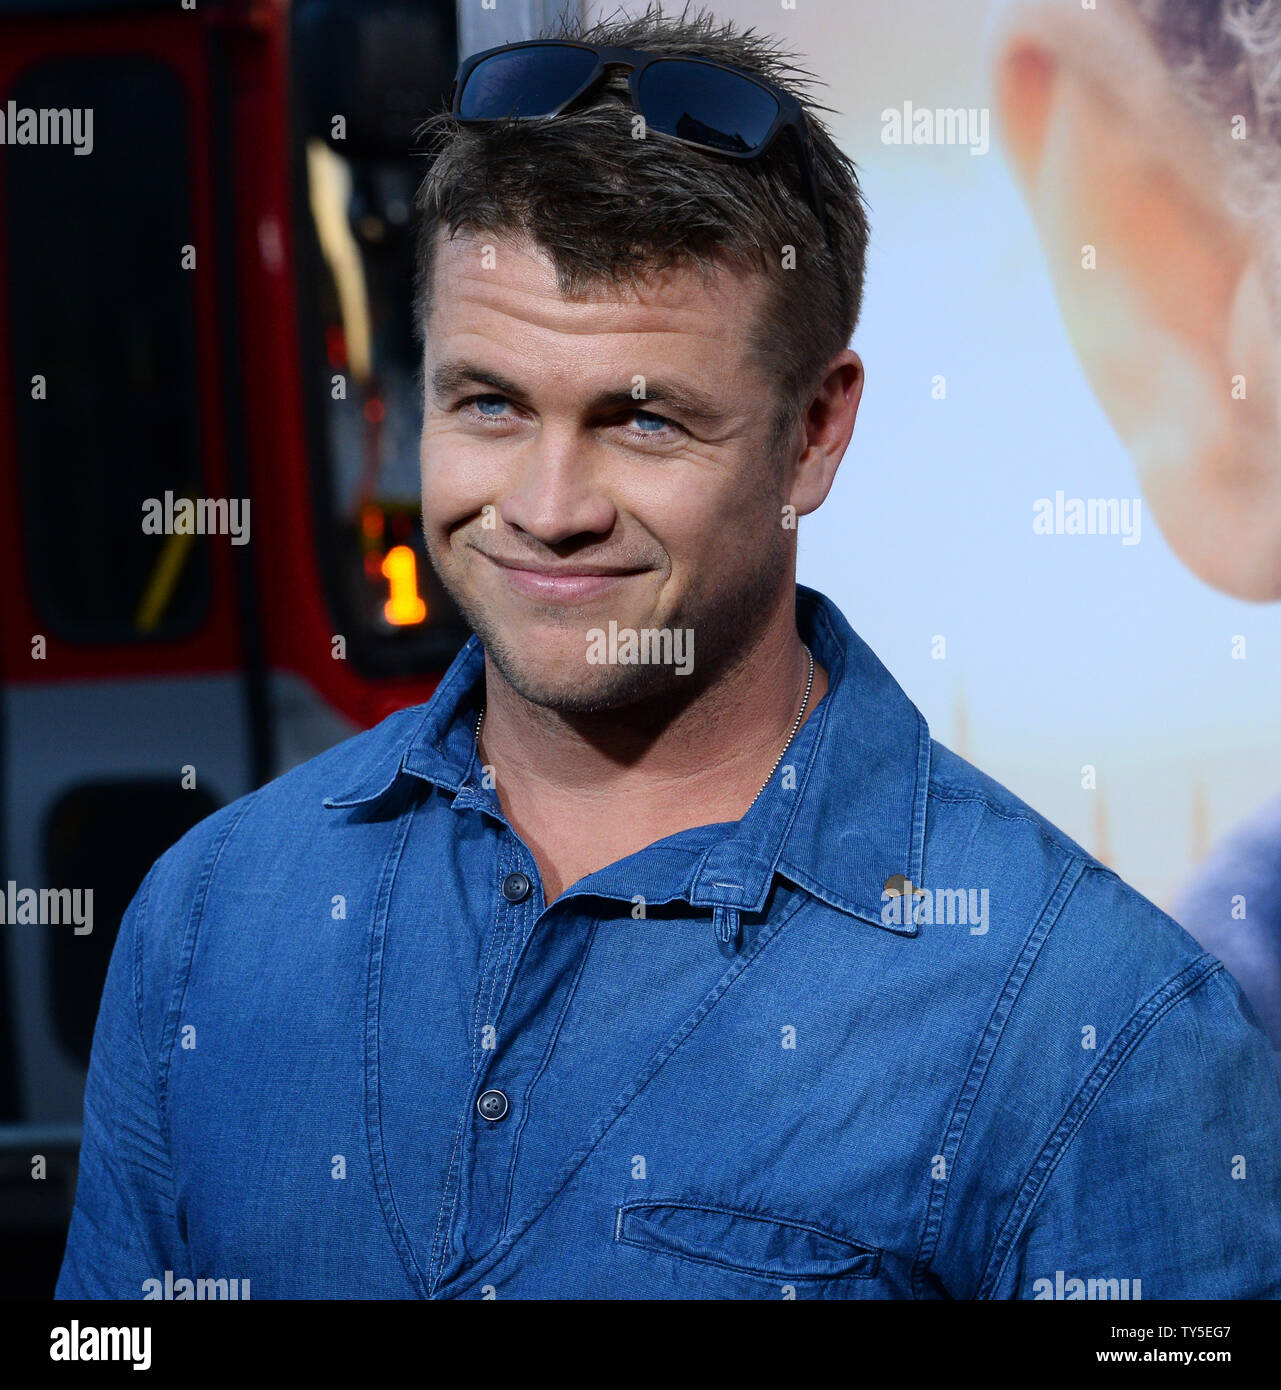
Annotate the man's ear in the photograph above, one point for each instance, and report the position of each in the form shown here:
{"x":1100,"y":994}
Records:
{"x":1171,"y":318}
{"x":827,"y":425}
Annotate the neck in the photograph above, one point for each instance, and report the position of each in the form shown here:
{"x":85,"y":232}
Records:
{"x":698,"y":760}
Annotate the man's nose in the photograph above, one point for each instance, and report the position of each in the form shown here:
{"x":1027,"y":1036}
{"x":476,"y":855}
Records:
{"x":556,"y":492}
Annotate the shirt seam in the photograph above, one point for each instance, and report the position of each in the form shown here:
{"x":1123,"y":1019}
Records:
{"x":140,"y":922}
{"x":954,"y":794}
{"x":182,"y":976}
{"x":495,"y":933}
{"x":544,"y":1062}
{"x":981,"y":1062}
{"x":372,"y":1073}
{"x":1140,"y":1023}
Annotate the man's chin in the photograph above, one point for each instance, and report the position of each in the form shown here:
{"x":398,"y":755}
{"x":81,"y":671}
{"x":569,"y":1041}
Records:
{"x":547,"y":663}
{"x":574,"y":687}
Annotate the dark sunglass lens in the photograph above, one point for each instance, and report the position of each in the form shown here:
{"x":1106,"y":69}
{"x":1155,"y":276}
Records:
{"x":525,"y":82}
{"x":707,"y":105}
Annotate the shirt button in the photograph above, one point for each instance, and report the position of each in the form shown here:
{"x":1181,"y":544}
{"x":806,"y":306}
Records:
{"x":516,"y":888}
{"x":492,"y":1105}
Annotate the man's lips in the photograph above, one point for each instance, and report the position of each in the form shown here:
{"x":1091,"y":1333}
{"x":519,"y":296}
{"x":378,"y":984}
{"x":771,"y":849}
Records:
{"x":568,"y":583}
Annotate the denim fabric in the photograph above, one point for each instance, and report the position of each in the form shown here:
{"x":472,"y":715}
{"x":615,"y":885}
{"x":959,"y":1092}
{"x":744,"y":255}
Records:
{"x":735,"y":1065}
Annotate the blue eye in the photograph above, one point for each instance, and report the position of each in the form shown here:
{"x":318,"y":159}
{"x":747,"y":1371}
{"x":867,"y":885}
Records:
{"x":482,"y":402}
{"x":645,"y":420}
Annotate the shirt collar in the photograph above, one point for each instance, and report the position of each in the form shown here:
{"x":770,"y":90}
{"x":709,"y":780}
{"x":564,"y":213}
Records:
{"x":842,"y":814}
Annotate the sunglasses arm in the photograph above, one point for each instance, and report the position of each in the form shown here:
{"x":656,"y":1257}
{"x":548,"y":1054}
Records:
{"x":809,"y":170}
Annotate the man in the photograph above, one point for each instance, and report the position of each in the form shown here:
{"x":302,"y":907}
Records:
{"x":1152,"y":129}
{"x":662,"y":953}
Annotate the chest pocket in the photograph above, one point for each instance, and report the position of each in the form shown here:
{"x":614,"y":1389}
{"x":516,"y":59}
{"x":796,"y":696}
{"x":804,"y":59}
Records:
{"x":744,"y":1242}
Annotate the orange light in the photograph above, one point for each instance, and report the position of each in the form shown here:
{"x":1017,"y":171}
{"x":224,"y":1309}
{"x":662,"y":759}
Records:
{"x":400,"y":569}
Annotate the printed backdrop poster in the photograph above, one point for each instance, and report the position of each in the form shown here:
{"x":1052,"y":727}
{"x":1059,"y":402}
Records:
{"x":1070,"y":313}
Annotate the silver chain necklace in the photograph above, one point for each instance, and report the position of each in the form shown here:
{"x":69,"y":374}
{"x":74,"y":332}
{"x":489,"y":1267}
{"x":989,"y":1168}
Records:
{"x":800,"y":714}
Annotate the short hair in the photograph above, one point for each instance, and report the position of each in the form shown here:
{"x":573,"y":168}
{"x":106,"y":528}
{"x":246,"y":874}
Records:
{"x":608,"y":207}
{"x":1225,"y":59}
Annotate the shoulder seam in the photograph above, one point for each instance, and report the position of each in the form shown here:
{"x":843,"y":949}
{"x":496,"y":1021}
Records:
{"x":953,"y":794}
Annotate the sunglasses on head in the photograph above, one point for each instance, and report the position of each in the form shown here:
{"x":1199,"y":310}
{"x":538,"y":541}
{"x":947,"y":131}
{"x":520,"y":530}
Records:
{"x":709,"y":105}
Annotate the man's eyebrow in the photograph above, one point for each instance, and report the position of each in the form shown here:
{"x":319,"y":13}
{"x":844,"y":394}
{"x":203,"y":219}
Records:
{"x":450,"y":377}
{"x":684,"y":399}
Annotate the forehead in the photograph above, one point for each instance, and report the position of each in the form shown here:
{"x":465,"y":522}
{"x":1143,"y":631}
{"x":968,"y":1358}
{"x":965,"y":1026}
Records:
{"x":505,"y":289}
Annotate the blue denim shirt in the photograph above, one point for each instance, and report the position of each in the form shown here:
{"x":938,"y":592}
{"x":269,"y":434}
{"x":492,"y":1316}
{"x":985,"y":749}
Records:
{"x":732,"y":1064}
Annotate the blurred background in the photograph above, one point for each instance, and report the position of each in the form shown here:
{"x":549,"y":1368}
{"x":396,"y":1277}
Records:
{"x":215,"y":301}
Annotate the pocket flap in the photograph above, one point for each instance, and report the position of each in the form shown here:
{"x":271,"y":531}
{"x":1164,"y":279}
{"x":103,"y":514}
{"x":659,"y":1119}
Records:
{"x":744,"y":1241}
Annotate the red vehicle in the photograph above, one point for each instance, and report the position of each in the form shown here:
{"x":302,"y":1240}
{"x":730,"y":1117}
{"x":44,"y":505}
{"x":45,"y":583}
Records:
{"x":204,"y":318}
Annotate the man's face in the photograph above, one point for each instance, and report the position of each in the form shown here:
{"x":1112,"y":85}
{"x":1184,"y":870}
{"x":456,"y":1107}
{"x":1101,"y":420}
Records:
{"x":598,"y":459}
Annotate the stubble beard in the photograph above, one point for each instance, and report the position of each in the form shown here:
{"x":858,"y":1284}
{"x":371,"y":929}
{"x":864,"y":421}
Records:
{"x":726,"y":624}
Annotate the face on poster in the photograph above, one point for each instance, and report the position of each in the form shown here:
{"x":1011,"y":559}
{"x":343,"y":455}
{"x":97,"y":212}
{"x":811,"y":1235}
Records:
{"x":1059,"y":520}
